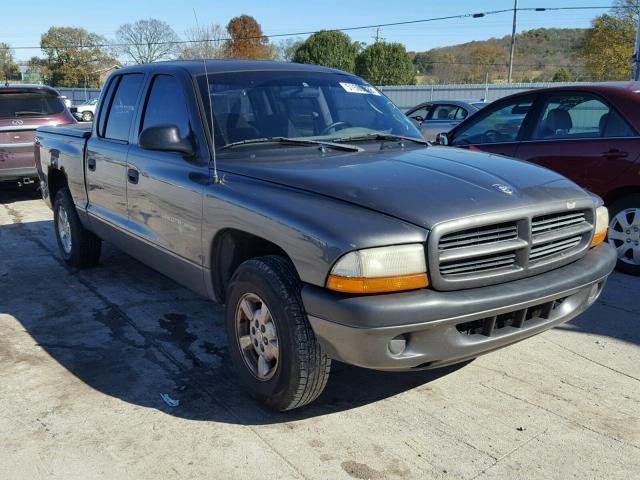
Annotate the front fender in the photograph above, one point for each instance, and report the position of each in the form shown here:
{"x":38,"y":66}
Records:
{"x":313,"y":230}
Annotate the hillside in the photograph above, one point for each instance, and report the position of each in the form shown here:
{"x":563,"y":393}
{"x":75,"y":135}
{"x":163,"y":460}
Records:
{"x":540,"y":55}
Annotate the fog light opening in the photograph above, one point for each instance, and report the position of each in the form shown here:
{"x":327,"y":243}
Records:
{"x":398,"y":345}
{"x":594,"y":292}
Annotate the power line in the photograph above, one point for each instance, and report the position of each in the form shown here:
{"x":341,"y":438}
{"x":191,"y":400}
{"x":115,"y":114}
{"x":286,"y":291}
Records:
{"x":346,"y":29}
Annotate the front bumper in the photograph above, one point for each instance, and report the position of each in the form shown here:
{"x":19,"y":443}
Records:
{"x":441,"y":328}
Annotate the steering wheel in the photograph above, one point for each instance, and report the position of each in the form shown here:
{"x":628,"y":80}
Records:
{"x":491,"y":136}
{"x":334,"y":125}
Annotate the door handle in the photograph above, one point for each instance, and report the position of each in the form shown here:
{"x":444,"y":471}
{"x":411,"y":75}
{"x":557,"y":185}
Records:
{"x":91,"y":164}
{"x":133,"y":175}
{"x":614,"y":153}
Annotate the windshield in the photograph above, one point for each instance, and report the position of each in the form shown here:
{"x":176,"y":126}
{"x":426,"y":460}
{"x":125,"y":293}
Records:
{"x":29,"y":105}
{"x":291,"y":104}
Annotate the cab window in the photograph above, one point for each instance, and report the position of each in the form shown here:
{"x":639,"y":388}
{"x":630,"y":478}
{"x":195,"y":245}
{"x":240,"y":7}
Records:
{"x":123,"y":107}
{"x":166,"y":105}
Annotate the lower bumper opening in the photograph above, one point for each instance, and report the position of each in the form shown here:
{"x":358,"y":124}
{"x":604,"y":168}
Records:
{"x":490,"y":326}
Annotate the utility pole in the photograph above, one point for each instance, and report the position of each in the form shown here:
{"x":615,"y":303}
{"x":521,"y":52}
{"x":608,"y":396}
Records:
{"x":635,"y":67}
{"x":513,"y":39}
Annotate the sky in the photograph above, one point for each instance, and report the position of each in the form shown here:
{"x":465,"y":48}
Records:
{"x":21,"y":27}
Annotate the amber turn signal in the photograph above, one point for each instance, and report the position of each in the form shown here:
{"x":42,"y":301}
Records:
{"x":598,"y":238}
{"x":378,"y":284}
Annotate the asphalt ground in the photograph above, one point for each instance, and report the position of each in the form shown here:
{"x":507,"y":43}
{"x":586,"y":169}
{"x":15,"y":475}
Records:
{"x":86,"y":355}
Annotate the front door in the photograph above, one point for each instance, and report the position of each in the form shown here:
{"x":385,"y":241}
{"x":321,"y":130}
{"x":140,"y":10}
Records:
{"x":165,"y":189}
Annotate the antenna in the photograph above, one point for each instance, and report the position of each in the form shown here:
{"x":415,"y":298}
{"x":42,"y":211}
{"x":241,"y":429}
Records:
{"x":216,"y":178}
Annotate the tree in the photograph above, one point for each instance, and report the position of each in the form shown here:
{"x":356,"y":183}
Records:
{"x":424,"y":62}
{"x":563,"y":75}
{"x":608,"y":47}
{"x":385,"y":64}
{"x":9,"y":70}
{"x":36,"y":70}
{"x":247,"y":40}
{"x":146,"y":41}
{"x":483,"y":59}
{"x":73,"y":55}
{"x":286,"y":49}
{"x":207,"y":42}
{"x":329,"y":48}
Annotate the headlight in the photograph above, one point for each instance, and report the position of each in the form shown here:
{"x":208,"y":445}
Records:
{"x":602,"y":224}
{"x":383,"y":269}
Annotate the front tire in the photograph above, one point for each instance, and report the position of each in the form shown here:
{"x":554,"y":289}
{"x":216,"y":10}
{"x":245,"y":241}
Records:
{"x":624,"y":233}
{"x":87,"y":117}
{"x":271,"y":344}
{"x":78,"y":246}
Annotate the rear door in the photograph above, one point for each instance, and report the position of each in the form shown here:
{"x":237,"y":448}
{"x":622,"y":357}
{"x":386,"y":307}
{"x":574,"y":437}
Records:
{"x":581,"y":136}
{"x":107,"y":149}
{"x":165,"y":189}
{"x":496,"y":128}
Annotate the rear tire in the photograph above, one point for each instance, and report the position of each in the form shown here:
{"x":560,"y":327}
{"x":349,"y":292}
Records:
{"x":295,"y":372}
{"x":78,"y":246}
{"x":624,"y":233}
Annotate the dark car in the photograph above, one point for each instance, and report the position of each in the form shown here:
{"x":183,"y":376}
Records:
{"x":442,"y":115}
{"x":23,"y":108}
{"x":587,"y":133}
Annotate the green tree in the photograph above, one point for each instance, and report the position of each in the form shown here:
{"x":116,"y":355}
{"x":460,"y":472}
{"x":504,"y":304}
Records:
{"x":247,"y":40}
{"x":608,"y":44}
{"x":485,"y":58}
{"x":385,"y":63}
{"x":9,"y":70}
{"x":563,"y":75}
{"x":73,"y":56}
{"x":330,"y":49}
{"x":424,"y":62}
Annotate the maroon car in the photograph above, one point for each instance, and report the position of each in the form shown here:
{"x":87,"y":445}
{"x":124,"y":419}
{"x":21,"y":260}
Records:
{"x":590,"y":134}
{"x":23,"y":108}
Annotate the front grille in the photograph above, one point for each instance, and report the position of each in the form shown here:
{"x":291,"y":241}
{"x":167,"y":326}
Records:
{"x":479,"y":236}
{"x":490,"y":326}
{"x":483,"y":254}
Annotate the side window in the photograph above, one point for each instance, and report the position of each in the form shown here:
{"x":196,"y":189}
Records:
{"x":420,"y":114}
{"x":102,"y":113}
{"x":461,"y":114}
{"x":166,"y":105}
{"x":574,"y":116}
{"x":499,"y":124}
{"x":123,"y":106}
{"x":444,"y":112}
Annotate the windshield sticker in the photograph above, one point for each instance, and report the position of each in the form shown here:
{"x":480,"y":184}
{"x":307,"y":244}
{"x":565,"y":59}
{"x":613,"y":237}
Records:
{"x":361,"y":89}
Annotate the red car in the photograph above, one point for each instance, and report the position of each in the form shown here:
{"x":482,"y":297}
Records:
{"x":590,"y":134}
{"x":23,"y":108}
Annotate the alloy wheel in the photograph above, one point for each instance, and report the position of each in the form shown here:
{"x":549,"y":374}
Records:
{"x":624,"y":235}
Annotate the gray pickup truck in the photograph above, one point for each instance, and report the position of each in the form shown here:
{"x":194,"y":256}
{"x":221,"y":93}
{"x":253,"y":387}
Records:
{"x":305,"y":201}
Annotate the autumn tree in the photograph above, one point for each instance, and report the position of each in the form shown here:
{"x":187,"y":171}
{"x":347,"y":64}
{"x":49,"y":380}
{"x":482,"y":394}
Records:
{"x":385,"y":63}
{"x":330,"y":49}
{"x":204,"y":42}
{"x":9,"y":70}
{"x":73,"y":56}
{"x":608,"y":45}
{"x":483,"y":59}
{"x":247,"y":40}
{"x":146,"y":41}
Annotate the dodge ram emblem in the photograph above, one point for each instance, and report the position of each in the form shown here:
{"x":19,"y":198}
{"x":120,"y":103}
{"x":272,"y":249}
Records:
{"x":17,"y":122}
{"x":503,"y":188}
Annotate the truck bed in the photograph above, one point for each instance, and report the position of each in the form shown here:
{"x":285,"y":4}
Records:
{"x":77,"y":130}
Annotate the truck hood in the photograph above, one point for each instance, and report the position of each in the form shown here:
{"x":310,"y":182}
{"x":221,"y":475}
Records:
{"x":420,"y":186}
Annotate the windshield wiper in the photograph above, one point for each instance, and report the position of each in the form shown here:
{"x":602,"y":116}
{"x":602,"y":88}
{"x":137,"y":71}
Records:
{"x":26,"y":112}
{"x":381,"y":136}
{"x":293,"y":141}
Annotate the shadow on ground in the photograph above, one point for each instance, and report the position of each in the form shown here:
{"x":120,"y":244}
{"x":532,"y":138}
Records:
{"x":133,"y":334}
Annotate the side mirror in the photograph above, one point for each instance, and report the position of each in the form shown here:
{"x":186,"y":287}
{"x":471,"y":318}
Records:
{"x":418,"y":118}
{"x":165,"y":138}
{"x":442,"y":139}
